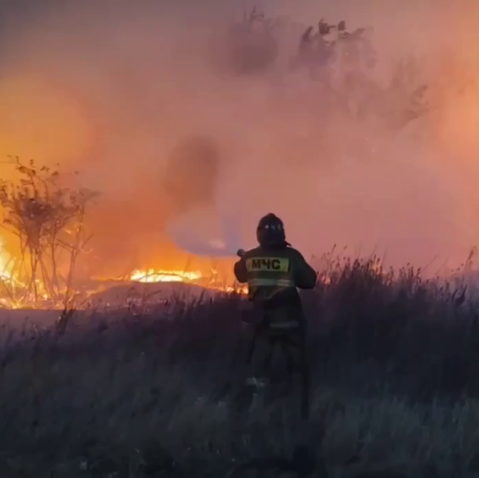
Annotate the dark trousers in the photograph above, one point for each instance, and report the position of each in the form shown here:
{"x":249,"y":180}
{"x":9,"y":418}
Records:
{"x":270,"y":346}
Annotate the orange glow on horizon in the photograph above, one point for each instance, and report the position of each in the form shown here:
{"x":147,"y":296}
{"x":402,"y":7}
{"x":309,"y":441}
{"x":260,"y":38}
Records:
{"x":40,"y":121}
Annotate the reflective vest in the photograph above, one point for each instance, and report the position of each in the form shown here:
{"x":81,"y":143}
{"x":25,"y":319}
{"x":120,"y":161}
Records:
{"x":268,"y":276}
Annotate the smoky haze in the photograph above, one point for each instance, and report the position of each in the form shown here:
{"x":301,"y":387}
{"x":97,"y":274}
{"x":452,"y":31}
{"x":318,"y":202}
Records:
{"x":190,"y":143}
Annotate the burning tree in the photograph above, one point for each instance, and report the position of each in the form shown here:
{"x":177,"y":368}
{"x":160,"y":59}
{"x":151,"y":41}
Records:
{"x":49,"y":221}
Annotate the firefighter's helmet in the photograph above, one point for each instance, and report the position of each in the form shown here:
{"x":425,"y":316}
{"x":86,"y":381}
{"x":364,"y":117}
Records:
{"x":270,"y":231}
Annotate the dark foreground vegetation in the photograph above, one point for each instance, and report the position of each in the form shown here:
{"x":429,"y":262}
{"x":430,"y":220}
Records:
{"x":395,"y":387}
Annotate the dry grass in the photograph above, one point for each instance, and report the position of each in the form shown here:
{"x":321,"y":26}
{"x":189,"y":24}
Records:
{"x":395,"y":388}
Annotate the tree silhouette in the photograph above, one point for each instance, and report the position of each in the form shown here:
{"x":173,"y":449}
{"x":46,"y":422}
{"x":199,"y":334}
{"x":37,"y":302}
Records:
{"x":49,"y":220}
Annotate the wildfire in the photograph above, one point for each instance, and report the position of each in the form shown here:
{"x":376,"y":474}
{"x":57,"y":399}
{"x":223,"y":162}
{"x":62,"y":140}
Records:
{"x":194,"y":277}
{"x":4,"y":263}
{"x":15,"y":292}
{"x":151,"y":276}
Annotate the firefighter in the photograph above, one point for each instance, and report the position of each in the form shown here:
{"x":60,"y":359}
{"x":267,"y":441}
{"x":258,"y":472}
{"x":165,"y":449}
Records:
{"x":274,"y":272}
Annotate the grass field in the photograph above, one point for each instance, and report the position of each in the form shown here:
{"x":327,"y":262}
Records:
{"x":395,"y":375}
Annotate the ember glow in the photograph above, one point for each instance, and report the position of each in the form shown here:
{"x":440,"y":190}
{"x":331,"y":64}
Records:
{"x":152,"y":276}
{"x":4,"y":262}
{"x":210,"y":281}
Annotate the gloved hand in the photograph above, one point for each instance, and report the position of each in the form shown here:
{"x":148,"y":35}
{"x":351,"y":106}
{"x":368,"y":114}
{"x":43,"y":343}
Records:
{"x":240,"y":252}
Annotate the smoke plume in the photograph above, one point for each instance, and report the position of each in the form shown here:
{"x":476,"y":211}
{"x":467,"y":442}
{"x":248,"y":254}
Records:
{"x":191,"y":135}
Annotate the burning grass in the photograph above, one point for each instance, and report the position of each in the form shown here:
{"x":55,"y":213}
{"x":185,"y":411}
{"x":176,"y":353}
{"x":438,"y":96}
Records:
{"x":135,"y":393}
{"x":45,"y":217}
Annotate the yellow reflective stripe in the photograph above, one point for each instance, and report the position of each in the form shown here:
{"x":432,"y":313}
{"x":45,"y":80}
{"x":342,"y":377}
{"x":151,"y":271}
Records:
{"x":267,"y":264}
{"x":270,"y":283}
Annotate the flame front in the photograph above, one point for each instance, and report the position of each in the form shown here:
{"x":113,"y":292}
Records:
{"x":4,"y":260}
{"x":15,"y":291}
{"x":152,"y":276}
{"x":210,"y":281}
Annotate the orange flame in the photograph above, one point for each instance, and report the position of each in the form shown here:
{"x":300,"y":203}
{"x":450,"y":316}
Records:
{"x":14,"y":295}
{"x":4,"y":260}
{"x":151,"y":276}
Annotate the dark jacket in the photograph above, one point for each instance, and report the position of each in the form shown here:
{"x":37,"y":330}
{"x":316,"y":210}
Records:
{"x":274,"y":274}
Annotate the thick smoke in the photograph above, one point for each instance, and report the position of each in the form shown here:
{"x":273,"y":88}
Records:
{"x":191,"y":142}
